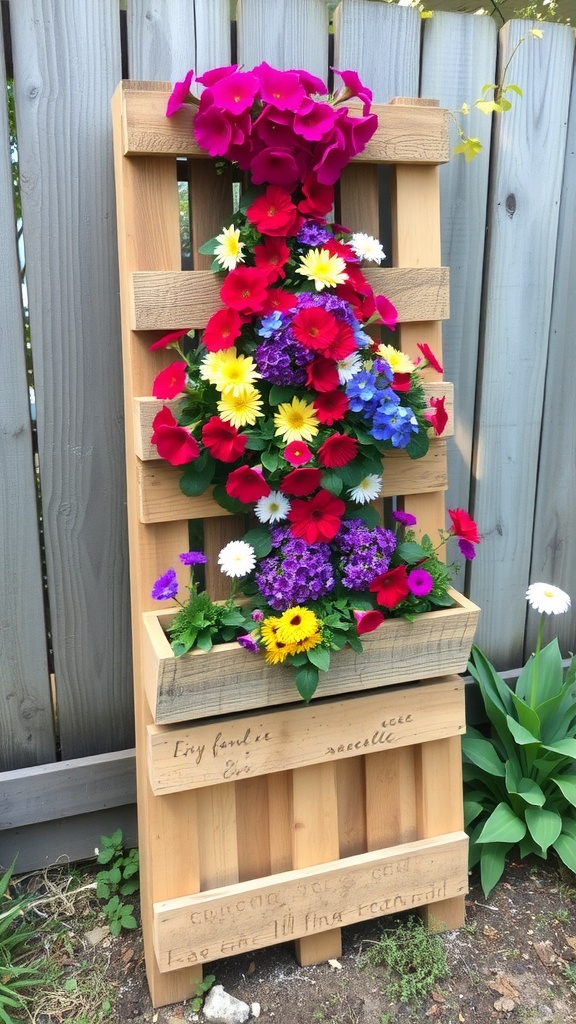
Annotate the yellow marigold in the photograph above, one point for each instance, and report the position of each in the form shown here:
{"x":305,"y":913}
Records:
{"x":276,"y":651}
{"x":296,"y":421}
{"x":324,"y":270}
{"x":297,"y":624}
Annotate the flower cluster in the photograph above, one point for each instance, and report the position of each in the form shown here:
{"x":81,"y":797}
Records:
{"x":291,"y":399}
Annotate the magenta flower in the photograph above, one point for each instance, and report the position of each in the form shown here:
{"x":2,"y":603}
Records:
{"x":248,"y":642}
{"x":179,"y":94}
{"x":420,"y":582}
{"x":367,"y":622}
{"x":353,"y":87}
{"x":213,"y":131}
{"x":467,"y":549}
{"x":275,"y":167}
{"x":209,"y":78}
{"x":235,"y":93}
{"x":280,"y":88}
{"x":315,"y":122}
{"x":386,"y":310}
{"x":311,"y":83}
{"x":406,"y":518}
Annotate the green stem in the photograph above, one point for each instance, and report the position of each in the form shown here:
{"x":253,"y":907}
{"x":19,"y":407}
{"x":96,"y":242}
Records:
{"x":536,"y":660}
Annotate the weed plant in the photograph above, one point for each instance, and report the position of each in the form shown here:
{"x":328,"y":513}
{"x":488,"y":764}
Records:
{"x":117,"y":878}
{"x":415,"y":957}
{"x":18,"y":973}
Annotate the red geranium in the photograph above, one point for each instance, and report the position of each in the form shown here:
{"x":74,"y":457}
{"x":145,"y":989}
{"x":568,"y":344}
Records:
{"x":322,"y":374}
{"x":223,"y":440}
{"x":245,"y":289}
{"x":171,"y":381}
{"x":173,"y":443}
{"x":297,"y":453}
{"x":391,"y":587}
{"x":277,"y":299}
{"x":330,"y":407}
{"x":274,"y":213}
{"x":272,"y":257}
{"x":337,"y":451}
{"x":400,"y":381}
{"x":301,"y":482}
{"x":438,"y":417}
{"x":317,"y":519}
{"x":318,"y":199}
{"x":247,"y":485}
{"x":222,"y":329}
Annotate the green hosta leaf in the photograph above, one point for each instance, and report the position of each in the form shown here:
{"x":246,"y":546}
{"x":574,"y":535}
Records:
{"x":307,"y":681}
{"x":565,"y":747}
{"x":471,"y":811}
{"x":503,"y":826}
{"x":569,"y":826}
{"x":527,"y":717}
{"x":530,"y":792}
{"x":320,"y":657}
{"x":492,"y":864}
{"x":259,"y":539}
{"x":549,"y":676}
{"x":332,"y":482}
{"x":566,"y":849}
{"x":545,"y":826}
{"x":513,"y":776}
{"x":520,"y":734}
{"x":567,"y":786}
{"x":482,"y":753}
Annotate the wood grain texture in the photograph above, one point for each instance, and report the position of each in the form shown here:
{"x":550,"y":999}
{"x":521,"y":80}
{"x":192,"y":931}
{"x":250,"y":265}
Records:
{"x":391,"y":797}
{"x":26,"y":725}
{"x":293,"y":35}
{"x":229,"y":679}
{"x":553,"y":558}
{"x":458,"y":57}
{"x":250,"y":915}
{"x":168,"y":37}
{"x":523,"y":227}
{"x":382,"y":43}
{"x":66,"y":64}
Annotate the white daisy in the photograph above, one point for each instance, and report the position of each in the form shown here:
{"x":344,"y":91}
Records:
{"x":366,"y":247}
{"x":272,"y":508}
{"x":237,"y":558}
{"x":349,"y":367}
{"x":544,"y":597}
{"x":229,"y":252}
{"x":367,"y":490}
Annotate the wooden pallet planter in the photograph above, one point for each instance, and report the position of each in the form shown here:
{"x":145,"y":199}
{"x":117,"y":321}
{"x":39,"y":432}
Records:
{"x":262,"y":819}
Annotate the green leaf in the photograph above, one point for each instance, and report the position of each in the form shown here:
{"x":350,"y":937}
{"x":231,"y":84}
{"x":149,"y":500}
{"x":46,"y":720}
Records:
{"x":209,"y":247}
{"x":567,"y":786}
{"x":204,"y":640}
{"x":419,"y":445}
{"x":492,"y":864}
{"x":255,"y":443}
{"x":545,"y":826}
{"x":197,"y":477}
{"x":513,"y":88}
{"x":513,"y":776}
{"x":225,"y":501}
{"x":482,"y":753}
{"x":471,"y":811}
{"x":270,"y":461}
{"x":320,"y":657}
{"x":307,"y":681}
{"x":259,"y":538}
{"x":367,"y":513}
{"x":279,"y":394}
{"x":469,"y":148}
{"x":332,"y":481}
{"x":566,"y":849}
{"x":520,"y":734}
{"x":503,"y":826}
{"x":531,"y":793}
{"x":527,"y":717}
{"x":411,"y":552}
{"x":566,"y":747}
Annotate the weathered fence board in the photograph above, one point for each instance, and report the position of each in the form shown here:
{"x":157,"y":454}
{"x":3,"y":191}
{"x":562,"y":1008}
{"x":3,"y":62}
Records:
{"x":528,"y":158}
{"x":382,"y":43}
{"x":26,"y":728}
{"x":66,"y":63}
{"x":293,"y":35}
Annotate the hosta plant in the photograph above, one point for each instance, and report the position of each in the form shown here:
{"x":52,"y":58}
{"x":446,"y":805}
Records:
{"x":520,"y":782}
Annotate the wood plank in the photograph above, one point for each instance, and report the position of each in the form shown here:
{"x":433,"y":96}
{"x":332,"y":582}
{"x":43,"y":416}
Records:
{"x":185,"y":688}
{"x":168,"y":301}
{"x":162,"y":501}
{"x":253,"y":828}
{"x":145,"y":409}
{"x":65,"y":840}
{"x":391,"y":797}
{"x":350,"y":785}
{"x":161,"y":39}
{"x":523,"y":229}
{"x":403,"y":134}
{"x":64,"y":150}
{"x":244,"y":916}
{"x":216,"y":837}
{"x":293,"y":35}
{"x":382,"y":43}
{"x":26,"y":724}
{"x":193,"y":756}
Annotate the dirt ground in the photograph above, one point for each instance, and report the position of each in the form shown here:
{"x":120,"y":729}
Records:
{"x":515,"y":960}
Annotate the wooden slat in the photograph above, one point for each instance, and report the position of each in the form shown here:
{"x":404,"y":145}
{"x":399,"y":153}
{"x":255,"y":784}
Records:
{"x":64,"y":150}
{"x":382,"y":43}
{"x":250,"y":915}
{"x":523,"y":226}
{"x":26,"y":723}
{"x":405,"y":134}
{"x":162,"y":501}
{"x":391,"y":818}
{"x":293,"y":35}
{"x":195,"y":756}
{"x":168,"y":301}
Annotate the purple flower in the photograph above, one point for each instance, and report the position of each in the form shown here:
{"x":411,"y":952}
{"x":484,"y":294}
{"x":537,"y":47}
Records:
{"x":193,"y":558}
{"x":365,"y":553}
{"x":295,"y":572}
{"x":166,"y":586}
{"x":406,"y":518}
{"x":420,"y":582}
{"x":257,"y":615}
{"x":313,"y":234}
{"x":248,"y":642}
{"x":467,"y":549}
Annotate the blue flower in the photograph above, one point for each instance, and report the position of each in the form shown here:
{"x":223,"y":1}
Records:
{"x":270,"y":324}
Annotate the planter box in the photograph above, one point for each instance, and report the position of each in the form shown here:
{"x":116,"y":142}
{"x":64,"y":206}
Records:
{"x":229,"y":679}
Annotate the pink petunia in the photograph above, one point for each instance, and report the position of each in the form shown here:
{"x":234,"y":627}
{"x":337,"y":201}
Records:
{"x":353,"y":87}
{"x":367,"y":622}
{"x":386,"y":310}
{"x":170,"y":382}
{"x":235,"y":93}
{"x":179,"y":94}
{"x":213,"y":131}
{"x":429,"y":356}
{"x":283,"y":89}
{"x":437,"y":416}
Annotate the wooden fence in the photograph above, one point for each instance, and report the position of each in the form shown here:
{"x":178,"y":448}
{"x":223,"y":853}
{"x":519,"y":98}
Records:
{"x":508,"y":223}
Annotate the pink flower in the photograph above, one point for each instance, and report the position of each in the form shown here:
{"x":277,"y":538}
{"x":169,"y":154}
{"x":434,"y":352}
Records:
{"x":247,"y":485}
{"x":315,"y":122}
{"x":209,"y":78}
{"x":386,"y":310}
{"x":213,"y":131}
{"x":173,"y":443}
{"x":438,"y":417}
{"x":420,"y":582}
{"x":318,"y":199}
{"x":280,"y":88}
{"x":297,"y":453}
{"x":166,"y":340}
{"x":275,"y":166}
{"x":429,"y":356}
{"x":367,"y":622}
{"x":235,"y":93}
{"x":353,"y":87}
{"x":179,"y":94}
{"x":171,"y":381}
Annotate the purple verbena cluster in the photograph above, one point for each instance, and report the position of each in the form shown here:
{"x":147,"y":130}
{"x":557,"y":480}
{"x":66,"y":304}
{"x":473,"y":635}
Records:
{"x":295,"y":572}
{"x":365,"y":553}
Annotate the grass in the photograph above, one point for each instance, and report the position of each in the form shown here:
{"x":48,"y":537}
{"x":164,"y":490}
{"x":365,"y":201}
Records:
{"x":414,"y":957}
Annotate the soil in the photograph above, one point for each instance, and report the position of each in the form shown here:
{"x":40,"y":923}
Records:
{"x":514,"y":960}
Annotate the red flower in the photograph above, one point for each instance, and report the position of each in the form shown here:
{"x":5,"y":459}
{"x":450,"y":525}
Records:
{"x":222,"y":329}
{"x":279,"y":300}
{"x":301,"y":482}
{"x":400,"y":381}
{"x":330,"y":407}
{"x":245,"y":289}
{"x":463,"y":526}
{"x":171,"y":381}
{"x":438,"y":417}
{"x":247,"y":485}
{"x":167,"y":339}
{"x":272,"y":257}
{"x":223,"y":440}
{"x":322,"y":374}
{"x":337,"y":451}
{"x":173,"y":443}
{"x":344,"y":343}
{"x":317,"y":519}
{"x":429,"y":356}
{"x":387,"y":310}
{"x":391,"y":587}
{"x":297,"y":453}
{"x":318,"y":199}
{"x":367,"y":622}
{"x":274,"y":213}
{"x":315,"y":328}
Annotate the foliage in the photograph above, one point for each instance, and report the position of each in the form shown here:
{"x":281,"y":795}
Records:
{"x":416,"y":957}
{"x":202,"y":988}
{"x":119,"y":878}
{"x":520,"y":782}
{"x":17,"y":973}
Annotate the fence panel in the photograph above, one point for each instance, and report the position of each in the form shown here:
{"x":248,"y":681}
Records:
{"x":554,"y":541}
{"x":26,"y":729}
{"x":528,"y":157}
{"x":382,"y":43}
{"x":285,"y":35}
{"x":66,"y":65}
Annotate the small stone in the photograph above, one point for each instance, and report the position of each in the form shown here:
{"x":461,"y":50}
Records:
{"x":255,"y":1009}
{"x":96,"y":935}
{"x":506,"y":1005}
{"x":222,"y":1008}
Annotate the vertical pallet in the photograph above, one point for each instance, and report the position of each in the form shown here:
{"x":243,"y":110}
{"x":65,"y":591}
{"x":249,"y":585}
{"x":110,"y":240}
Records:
{"x":344,"y":818}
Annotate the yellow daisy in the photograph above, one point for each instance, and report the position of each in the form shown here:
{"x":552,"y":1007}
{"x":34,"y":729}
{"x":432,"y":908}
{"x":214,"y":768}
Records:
{"x":324,"y":270}
{"x":229,"y":252}
{"x":397,"y":361}
{"x":228,"y":371}
{"x":296,"y":421}
{"x":296,"y":624}
{"x":308,"y":644}
{"x":276,"y":651}
{"x":242,"y":409}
